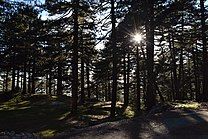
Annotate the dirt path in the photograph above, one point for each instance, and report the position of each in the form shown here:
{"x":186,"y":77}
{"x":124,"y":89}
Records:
{"x":172,"y":124}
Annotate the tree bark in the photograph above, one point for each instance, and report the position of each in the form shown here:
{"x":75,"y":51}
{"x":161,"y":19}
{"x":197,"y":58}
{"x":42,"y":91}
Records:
{"x":138,"y":103}
{"x":75,"y":58}
{"x":13,"y":72}
{"x":205,"y":57}
{"x":33,"y":76}
{"x":114,"y":75}
{"x":24,"y":78}
{"x":126,"y":94}
{"x":7,"y":77}
{"x":82,"y":99}
{"x":124,"y":78}
{"x":17,"y":81}
{"x":29,"y":80}
{"x":181,"y":64}
{"x":59,"y":79}
{"x":150,"y":95}
{"x":196,"y":73}
{"x":50,"y":83}
{"x":88,"y":80}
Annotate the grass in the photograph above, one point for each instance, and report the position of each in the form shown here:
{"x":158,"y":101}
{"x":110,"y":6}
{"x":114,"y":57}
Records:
{"x":39,"y":114}
{"x":48,"y":115}
{"x":186,"y":105}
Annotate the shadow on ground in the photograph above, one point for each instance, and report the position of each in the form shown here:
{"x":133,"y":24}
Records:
{"x":171,"y":124}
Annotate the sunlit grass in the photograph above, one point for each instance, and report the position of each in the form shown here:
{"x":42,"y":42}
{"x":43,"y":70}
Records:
{"x":47,"y":133}
{"x":129,"y":112}
{"x":188,"y":105}
{"x":63,"y":116}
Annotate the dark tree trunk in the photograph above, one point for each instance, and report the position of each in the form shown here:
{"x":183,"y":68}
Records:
{"x":82,"y":99}
{"x":114,"y":75}
{"x":174,"y":66}
{"x":189,"y":76}
{"x":106,"y":92}
{"x":21,"y":82}
{"x":180,"y":75}
{"x":13,"y":72}
{"x":29,"y":80}
{"x":196,"y":75}
{"x":75,"y":58}
{"x":7,"y":77}
{"x":3,"y":85}
{"x":144,"y":90}
{"x":88,"y":80}
{"x":150,"y":95}
{"x":124,"y":78}
{"x":59,"y":79}
{"x":205,"y":55}
{"x":126,"y":94}
{"x":109,"y":90}
{"x":181,"y":65}
{"x":17,"y":83}
{"x":50,"y":83}
{"x":47,"y":84}
{"x":97,"y":92}
{"x":138,"y":103}
{"x":24,"y":78}
{"x":33,"y":76}
{"x":172,"y":87}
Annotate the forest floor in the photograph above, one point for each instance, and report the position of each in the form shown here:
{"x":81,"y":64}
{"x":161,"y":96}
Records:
{"x":47,"y":116}
{"x":50,"y":117}
{"x":172,"y":124}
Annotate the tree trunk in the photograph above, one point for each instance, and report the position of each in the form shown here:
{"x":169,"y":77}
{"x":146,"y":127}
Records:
{"x":46,"y":87}
{"x":144,"y":90}
{"x":59,"y":79}
{"x":82,"y":82}
{"x":106,"y":92}
{"x":97,"y":92}
{"x":114,"y":75}
{"x":150,"y":95}
{"x":181,"y":65}
{"x":29,"y":80}
{"x":88,"y":80}
{"x":196,"y":75}
{"x":21,"y":82}
{"x":173,"y":66}
{"x":17,"y":83}
{"x":109,"y":90}
{"x":124,"y":79}
{"x":126,"y":94}
{"x":50,"y":83}
{"x":33,"y":76}
{"x":205,"y":58}
{"x":138,"y":103}
{"x":75,"y":58}
{"x":24,"y":78}
{"x":13,"y":72}
{"x":7,"y":77}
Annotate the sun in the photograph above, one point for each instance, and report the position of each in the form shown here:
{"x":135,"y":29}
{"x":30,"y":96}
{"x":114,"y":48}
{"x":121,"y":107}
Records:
{"x":137,"y":38}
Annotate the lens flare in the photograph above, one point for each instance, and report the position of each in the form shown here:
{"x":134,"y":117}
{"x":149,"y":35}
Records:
{"x":137,"y":38}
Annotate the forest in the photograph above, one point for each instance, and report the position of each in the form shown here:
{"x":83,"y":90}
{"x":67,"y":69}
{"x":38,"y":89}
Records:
{"x":117,"y":58}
